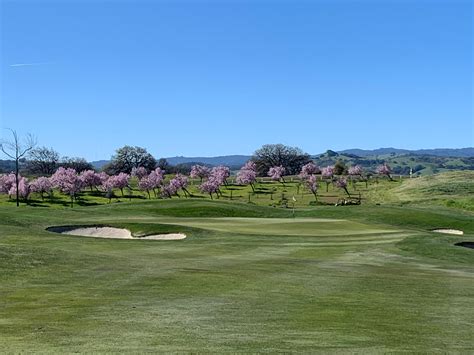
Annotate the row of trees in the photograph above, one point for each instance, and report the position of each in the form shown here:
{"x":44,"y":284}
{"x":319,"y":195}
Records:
{"x":309,"y":175}
{"x":69,"y":182}
{"x":70,"y":176}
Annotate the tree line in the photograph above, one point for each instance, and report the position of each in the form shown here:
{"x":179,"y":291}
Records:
{"x":71,"y":176}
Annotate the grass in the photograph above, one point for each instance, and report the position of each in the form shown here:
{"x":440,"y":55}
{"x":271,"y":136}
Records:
{"x":248,"y":278}
{"x":451,"y":189}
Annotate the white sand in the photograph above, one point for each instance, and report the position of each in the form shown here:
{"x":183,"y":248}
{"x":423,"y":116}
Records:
{"x":170,"y":236}
{"x":119,"y":233}
{"x":449,"y":231}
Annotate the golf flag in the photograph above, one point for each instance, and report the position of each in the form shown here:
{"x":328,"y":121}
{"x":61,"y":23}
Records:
{"x":294,"y":199}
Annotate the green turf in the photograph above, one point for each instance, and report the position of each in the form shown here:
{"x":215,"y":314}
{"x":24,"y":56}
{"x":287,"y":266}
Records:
{"x":247,"y":279}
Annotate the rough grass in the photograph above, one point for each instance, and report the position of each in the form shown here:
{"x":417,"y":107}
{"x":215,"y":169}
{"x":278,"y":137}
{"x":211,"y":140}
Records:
{"x":372,"y":280}
{"x":451,"y":189}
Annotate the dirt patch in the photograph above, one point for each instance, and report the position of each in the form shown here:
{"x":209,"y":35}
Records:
{"x":469,"y":245}
{"x":448,"y":231}
{"x":111,"y":233}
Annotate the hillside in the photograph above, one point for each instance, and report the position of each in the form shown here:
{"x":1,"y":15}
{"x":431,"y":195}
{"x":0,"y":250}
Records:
{"x":451,"y":189}
{"x":229,"y":160}
{"x":401,"y":164}
{"x":439,"y":152}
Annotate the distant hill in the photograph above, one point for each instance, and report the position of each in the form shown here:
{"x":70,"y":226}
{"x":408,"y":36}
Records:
{"x":7,"y":166}
{"x":99,"y":164}
{"x":228,"y":160}
{"x":439,"y":152}
{"x":233,"y":161}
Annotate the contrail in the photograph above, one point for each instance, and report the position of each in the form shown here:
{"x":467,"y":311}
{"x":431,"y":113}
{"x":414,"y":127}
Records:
{"x":27,"y":64}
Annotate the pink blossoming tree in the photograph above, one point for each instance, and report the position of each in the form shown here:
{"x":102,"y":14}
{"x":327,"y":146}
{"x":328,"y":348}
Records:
{"x":91,"y":179}
{"x":327,"y":174}
{"x":342,"y":184}
{"x":42,"y":185}
{"x":276,"y":173}
{"x":220,"y":174}
{"x":68,"y":182}
{"x":308,"y":170}
{"x":199,"y":172}
{"x":247,"y":175}
{"x":139,"y":172}
{"x":211,"y":186}
{"x":311,"y":184}
{"x":384,"y":170}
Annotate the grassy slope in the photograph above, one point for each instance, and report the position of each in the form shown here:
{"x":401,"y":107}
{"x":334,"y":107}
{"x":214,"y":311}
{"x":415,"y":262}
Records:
{"x":406,"y":289}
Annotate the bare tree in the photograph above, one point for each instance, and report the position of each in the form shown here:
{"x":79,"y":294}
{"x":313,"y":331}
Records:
{"x":43,"y":160}
{"x":15,"y":149}
{"x":270,"y":155}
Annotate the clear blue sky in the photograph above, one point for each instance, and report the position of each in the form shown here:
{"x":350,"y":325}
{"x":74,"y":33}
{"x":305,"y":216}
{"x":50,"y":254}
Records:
{"x":200,"y":78}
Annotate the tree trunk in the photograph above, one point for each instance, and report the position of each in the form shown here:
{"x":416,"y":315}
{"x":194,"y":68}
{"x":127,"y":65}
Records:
{"x":347,"y":191}
{"x":17,"y":183}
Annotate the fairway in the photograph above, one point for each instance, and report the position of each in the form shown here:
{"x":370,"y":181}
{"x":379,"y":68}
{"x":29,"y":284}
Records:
{"x":327,"y":279}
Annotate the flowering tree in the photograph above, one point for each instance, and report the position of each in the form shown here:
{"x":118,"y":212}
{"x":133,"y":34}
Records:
{"x":68,"y":182}
{"x":327,"y":173}
{"x":152,"y":181}
{"x":311,"y":183}
{"x":139,"y":172}
{"x":91,"y":179}
{"x":342,"y":184}
{"x":247,"y":174}
{"x":355,"y":170}
{"x":146,"y":184}
{"x":210,"y":186}
{"x":199,"y":172}
{"x":120,"y":181}
{"x":276,"y":173}
{"x":168,"y":191}
{"x":108,"y":187}
{"x":220,"y":174}
{"x":179,"y":182}
{"x":41,"y":186}
{"x":103,"y":177}
{"x":6,"y":183}
{"x":23,"y":189}
{"x":384,"y":170}
{"x":308,"y":170}
{"x":156,"y":178}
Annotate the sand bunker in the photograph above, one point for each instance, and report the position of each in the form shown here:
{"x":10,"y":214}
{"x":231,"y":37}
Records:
{"x":112,"y":233}
{"x":469,"y":245}
{"x":449,"y":231}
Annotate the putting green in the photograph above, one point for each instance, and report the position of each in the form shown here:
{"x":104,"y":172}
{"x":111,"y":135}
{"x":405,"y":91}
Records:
{"x":310,"y":227}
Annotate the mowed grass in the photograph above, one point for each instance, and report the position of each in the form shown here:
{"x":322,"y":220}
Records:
{"x":352,"y":279}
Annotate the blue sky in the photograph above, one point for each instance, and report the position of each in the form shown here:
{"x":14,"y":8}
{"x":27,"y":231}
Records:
{"x":201,"y":78}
